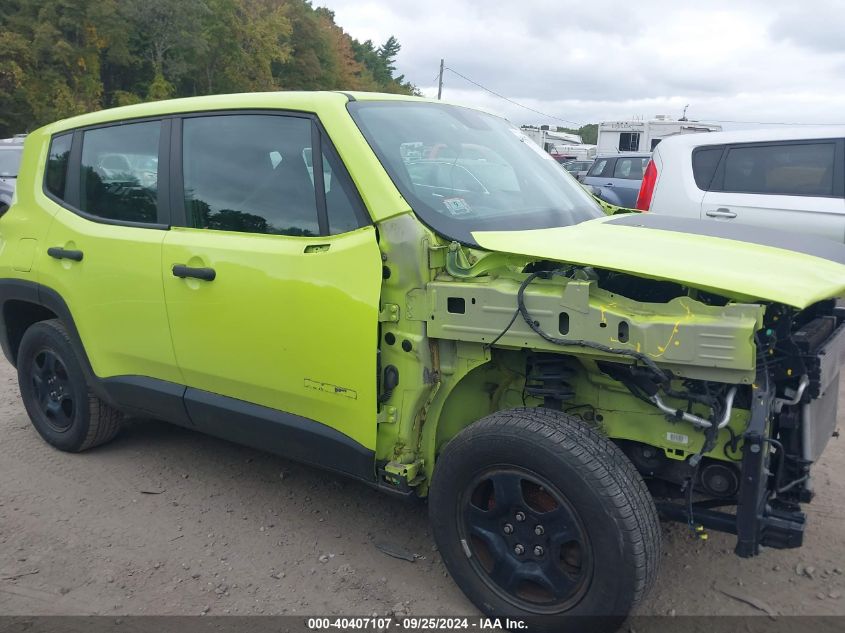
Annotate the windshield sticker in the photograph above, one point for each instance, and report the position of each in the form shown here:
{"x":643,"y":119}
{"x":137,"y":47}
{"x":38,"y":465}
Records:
{"x":457,"y":206}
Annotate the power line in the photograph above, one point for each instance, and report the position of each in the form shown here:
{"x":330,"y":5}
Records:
{"x":550,"y":116}
{"x":501,"y":96}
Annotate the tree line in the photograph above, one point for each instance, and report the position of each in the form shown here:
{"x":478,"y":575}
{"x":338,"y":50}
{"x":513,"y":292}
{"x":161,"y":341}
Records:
{"x":59,"y":58}
{"x":589,"y":133}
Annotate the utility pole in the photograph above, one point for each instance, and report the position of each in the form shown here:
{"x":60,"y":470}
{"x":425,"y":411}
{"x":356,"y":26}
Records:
{"x":440,"y":81}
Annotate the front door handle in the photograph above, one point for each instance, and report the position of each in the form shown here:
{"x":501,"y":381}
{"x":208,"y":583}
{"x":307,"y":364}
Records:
{"x":182,"y":271}
{"x":56,"y":252}
{"x":721,"y":213}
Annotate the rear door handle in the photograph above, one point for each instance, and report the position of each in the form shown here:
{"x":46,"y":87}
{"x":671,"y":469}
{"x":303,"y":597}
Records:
{"x":720,"y":213}
{"x":608,"y":184}
{"x":205,"y":274}
{"x":56,"y":252}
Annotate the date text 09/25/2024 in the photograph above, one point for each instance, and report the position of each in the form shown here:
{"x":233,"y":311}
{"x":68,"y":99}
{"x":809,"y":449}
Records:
{"x":416,"y":624}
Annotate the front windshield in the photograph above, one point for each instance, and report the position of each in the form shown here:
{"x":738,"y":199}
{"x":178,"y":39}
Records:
{"x":463,"y":171}
{"x":10,"y":159}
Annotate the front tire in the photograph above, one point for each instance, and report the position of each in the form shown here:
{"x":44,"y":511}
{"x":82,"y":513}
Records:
{"x":62,"y":408}
{"x":538,"y":516}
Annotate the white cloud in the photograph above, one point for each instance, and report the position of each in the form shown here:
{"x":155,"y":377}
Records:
{"x":586,"y":62}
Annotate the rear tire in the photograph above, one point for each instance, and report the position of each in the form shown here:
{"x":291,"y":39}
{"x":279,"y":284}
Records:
{"x":61,"y":406}
{"x":538,"y":516}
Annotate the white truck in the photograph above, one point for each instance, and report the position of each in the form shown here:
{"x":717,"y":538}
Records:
{"x":643,"y":136}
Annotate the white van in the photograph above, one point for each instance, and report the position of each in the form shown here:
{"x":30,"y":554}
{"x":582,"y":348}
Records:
{"x":791,"y":179}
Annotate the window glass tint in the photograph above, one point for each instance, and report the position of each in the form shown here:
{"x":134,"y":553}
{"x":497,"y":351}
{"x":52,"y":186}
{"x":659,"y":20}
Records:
{"x":341,"y":197}
{"x":704,"y":163}
{"x":629,"y":141}
{"x":630,"y":168}
{"x":250,"y":173}
{"x":119,"y":172}
{"x":794,"y":169}
{"x":57,"y":165}
{"x":598,"y":167}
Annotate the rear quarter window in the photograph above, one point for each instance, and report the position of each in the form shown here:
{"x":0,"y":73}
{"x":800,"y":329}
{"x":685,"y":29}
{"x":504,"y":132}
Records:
{"x":55,"y":175}
{"x":705,"y":160}
{"x":119,"y":172}
{"x":631,"y":168}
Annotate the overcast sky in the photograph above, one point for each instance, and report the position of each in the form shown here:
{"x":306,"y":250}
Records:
{"x":590,"y":61}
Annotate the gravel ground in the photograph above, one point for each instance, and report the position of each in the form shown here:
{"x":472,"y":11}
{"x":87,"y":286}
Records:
{"x":166,"y":521}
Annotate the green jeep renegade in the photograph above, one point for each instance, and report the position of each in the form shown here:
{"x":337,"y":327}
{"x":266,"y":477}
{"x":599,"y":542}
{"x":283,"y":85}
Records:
{"x":415,"y":295}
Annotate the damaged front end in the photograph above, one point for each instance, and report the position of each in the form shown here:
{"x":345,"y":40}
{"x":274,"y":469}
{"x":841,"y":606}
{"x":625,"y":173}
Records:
{"x":723,"y":402}
{"x":793,"y":413}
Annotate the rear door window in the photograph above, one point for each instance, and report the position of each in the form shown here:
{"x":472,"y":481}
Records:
{"x":119,"y":172}
{"x":630,"y":168}
{"x":798,"y":169}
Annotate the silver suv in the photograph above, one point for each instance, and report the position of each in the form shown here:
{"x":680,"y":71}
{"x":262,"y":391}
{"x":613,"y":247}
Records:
{"x":791,"y":179}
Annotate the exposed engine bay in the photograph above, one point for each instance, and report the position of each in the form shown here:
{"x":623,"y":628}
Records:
{"x":718,"y":403}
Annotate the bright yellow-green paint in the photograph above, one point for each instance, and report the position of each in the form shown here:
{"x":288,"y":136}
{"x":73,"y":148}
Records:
{"x":280,"y":327}
{"x":739,"y":269}
{"x":298,"y":331}
{"x":114,"y":294}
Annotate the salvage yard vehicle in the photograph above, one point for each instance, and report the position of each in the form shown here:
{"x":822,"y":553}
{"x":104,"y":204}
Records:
{"x":540,"y":371}
{"x":791,"y":178}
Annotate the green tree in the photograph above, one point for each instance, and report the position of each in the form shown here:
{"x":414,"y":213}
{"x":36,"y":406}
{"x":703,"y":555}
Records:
{"x":167,"y":33}
{"x":64,"y":57}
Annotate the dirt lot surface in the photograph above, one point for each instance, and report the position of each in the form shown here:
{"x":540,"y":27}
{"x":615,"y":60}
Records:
{"x":167,"y":521}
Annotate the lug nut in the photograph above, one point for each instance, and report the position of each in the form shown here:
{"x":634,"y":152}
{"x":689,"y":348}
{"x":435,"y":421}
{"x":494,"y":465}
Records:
{"x":520,"y":516}
{"x":508,"y":529}
{"x":539,"y":531}
{"x":518,"y":549}
{"x":538,"y":551}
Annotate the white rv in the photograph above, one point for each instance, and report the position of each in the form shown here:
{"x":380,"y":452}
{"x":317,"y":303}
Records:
{"x":643,"y":136}
{"x":563,"y":146}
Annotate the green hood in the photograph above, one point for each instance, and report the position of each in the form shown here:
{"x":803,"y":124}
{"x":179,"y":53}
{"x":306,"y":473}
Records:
{"x":738,"y":261}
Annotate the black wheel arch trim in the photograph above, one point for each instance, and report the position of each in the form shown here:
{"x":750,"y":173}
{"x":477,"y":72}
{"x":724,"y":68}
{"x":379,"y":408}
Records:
{"x":39,"y":295}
